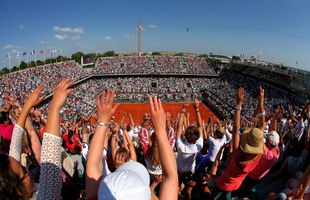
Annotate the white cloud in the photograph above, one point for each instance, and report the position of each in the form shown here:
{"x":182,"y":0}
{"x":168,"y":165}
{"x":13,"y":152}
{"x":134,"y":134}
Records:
{"x":128,"y":36}
{"x":43,"y":42}
{"x":21,"y":27}
{"x":75,"y":37}
{"x":108,"y":37}
{"x":10,"y":46}
{"x":60,"y":37}
{"x":68,"y":29}
{"x":153,"y":26}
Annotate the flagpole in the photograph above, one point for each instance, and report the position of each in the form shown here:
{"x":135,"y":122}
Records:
{"x":44,"y":56}
{"x":27,"y":58}
{"x":9,"y":57}
{"x":35,"y":58}
{"x":18,"y":60}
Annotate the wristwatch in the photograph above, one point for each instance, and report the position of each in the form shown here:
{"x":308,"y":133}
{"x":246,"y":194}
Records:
{"x":101,"y":124}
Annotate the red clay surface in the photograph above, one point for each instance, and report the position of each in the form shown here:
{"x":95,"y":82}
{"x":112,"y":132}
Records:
{"x":137,"y":111}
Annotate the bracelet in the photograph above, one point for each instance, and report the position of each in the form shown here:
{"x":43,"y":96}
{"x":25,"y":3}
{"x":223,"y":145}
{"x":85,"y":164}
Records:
{"x":197,"y":110}
{"x":261,"y":114}
{"x":238,"y":107}
{"x":101,"y":124}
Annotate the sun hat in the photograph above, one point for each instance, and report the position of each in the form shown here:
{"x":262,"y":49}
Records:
{"x":130,"y":181}
{"x":252,"y":141}
{"x":273,"y":138}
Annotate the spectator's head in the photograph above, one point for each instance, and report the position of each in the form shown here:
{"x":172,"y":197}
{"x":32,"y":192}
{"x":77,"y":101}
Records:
{"x":15,"y":182}
{"x":252,"y":141}
{"x":4,"y":118}
{"x":219,"y":133}
{"x":273,"y":139}
{"x":128,"y":128}
{"x":130,"y":181}
{"x":122,"y":155}
{"x":192,"y":134}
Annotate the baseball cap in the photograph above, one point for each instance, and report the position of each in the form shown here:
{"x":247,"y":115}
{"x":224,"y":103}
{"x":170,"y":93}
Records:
{"x":273,"y":138}
{"x":130,"y":181}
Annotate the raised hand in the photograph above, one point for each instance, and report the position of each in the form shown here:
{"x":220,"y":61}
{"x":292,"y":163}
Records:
{"x":10,"y":100}
{"x":34,"y":98}
{"x":196,"y":104}
{"x":240,"y":96}
{"x":157,"y":113}
{"x":261,"y":94}
{"x":105,"y":106}
{"x":187,"y":103}
{"x":61,"y":92}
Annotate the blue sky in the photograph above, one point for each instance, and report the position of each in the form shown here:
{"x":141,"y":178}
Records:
{"x":280,"y":29}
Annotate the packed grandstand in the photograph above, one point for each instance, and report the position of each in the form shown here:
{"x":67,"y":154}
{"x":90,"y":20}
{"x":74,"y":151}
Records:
{"x":211,"y":162}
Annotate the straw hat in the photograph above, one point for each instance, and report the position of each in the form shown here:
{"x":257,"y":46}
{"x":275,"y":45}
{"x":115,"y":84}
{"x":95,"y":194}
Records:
{"x":252,"y":141}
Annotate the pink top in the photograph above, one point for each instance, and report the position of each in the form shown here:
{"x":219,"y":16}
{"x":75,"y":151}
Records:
{"x":266,"y":162}
{"x":6,"y":131}
{"x":232,"y":177}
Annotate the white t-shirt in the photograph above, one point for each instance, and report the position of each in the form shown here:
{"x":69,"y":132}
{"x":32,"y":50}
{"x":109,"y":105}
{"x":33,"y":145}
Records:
{"x":214,"y":147}
{"x":186,"y":157}
{"x":299,"y":129}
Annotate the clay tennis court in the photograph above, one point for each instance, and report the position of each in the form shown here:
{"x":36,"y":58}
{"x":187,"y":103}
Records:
{"x":137,"y":111}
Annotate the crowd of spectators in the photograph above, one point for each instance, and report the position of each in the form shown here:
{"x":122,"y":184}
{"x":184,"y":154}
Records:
{"x":153,"y":65}
{"x":159,"y":156}
{"x":221,"y":92}
{"x":73,"y":148}
{"x":21,"y":82}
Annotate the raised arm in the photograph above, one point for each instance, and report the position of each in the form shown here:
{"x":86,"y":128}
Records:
{"x":131,"y":148}
{"x":261,"y":110}
{"x":105,"y":110}
{"x":198,"y":116}
{"x":132,"y":123}
{"x":181,"y":119}
{"x":169,"y":186}
{"x":18,"y":131}
{"x":236,"y":127}
{"x":50,"y":172}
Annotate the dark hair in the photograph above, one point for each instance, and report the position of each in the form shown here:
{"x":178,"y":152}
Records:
{"x":192,"y":134}
{"x":124,"y":152}
{"x":9,"y":181}
{"x":4,"y":116}
{"x":219,"y":134}
{"x":128,"y":128}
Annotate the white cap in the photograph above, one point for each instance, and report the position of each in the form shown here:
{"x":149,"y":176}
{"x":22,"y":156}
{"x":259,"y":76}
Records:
{"x":130,"y":181}
{"x":273,"y":138}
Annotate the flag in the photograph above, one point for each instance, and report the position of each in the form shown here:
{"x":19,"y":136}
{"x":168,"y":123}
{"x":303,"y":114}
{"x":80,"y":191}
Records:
{"x":25,"y":53}
{"x":8,"y":55}
{"x":42,"y":51}
{"x":32,"y":52}
{"x":59,"y":50}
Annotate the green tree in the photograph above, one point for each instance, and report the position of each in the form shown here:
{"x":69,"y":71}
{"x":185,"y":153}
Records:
{"x":22,"y":65}
{"x":14,"y":69}
{"x":39,"y":62}
{"x":5,"y":70}
{"x":32,"y":64}
{"x":179,"y":54}
{"x":156,"y":53}
{"x":77,"y":56}
{"x":109,"y":53}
